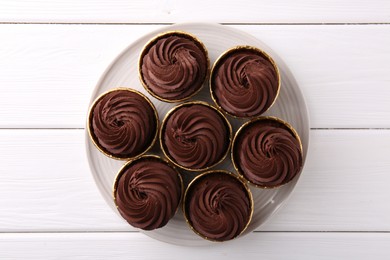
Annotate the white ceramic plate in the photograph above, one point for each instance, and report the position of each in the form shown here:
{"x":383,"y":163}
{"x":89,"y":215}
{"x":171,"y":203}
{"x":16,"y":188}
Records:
{"x":290,"y":106}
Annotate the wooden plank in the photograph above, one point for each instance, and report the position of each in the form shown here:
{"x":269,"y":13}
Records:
{"x":46,"y":185}
{"x":343,"y":185}
{"x":60,"y":66}
{"x":48,"y":72}
{"x":247,"y":11}
{"x":135,"y":245}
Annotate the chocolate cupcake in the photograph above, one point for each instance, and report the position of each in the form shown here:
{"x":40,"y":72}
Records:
{"x":218,"y":206}
{"x":195,"y":136}
{"x":122,"y":123}
{"x":147,"y":192}
{"x":244,"y":82}
{"x":267,"y":152}
{"x":173,"y":66}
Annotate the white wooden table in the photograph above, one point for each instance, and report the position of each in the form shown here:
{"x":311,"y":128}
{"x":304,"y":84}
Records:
{"x":52,"y":53}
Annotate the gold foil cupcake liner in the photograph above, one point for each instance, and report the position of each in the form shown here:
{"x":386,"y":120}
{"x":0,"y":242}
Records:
{"x":92,"y":136}
{"x":262,"y":118}
{"x":232,"y":50}
{"x":202,"y":175}
{"x":151,"y":42}
{"x":162,"y":129}
{"x":146,"y":157}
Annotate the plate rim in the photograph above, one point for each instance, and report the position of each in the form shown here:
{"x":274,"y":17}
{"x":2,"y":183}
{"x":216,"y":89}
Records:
{"x":173,"y":26}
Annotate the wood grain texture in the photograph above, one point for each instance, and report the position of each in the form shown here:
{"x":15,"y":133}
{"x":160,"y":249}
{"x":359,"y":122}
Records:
{"x":46,"y":185}
{"x":246,"y":11}
{"x":360,"y":246}
{"x":48,"y":72}
{"x":50,"y":207}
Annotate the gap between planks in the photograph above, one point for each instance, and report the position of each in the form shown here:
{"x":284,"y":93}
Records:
{"x":82,"y":128}
{"x":136,"y":231}
{"x":265,"y":24}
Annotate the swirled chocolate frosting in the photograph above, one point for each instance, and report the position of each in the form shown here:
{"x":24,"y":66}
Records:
{"x":148,"y":193}
{"x":195,"y":136}
{"x":244,"y":83}
{"x":174,"y":67}
{"x":218,"y":206}
{"x":267,"y":153}
{"x":123,"y":123}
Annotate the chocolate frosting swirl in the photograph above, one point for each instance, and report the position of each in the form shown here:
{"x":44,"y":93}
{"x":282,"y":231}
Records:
{"x":195,"y":136}
{"x":267,"y":153}
{"x":124,"y":124}
{"x":148,"y":193}
{"x":218,"y":206}
{"x":174,"y":67}
{"x":245,"y":83}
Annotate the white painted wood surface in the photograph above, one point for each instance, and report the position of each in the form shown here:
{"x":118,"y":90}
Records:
{"x":55,"y":191}
{"x":133,"y":245}
{"x":152,"y":11}
{"x":53,"y":52}
{"x":48,"y":72}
